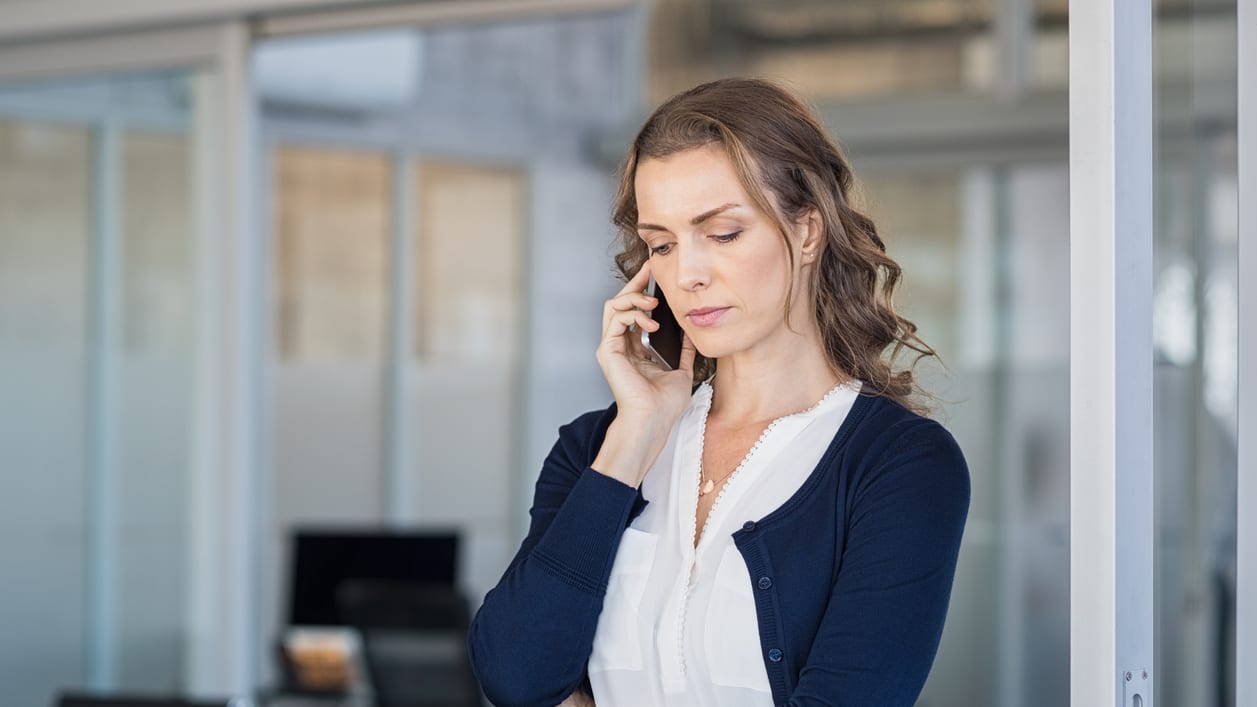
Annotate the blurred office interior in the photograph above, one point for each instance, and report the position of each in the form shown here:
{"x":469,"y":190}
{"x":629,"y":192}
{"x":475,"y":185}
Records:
{"x":430,"y":201}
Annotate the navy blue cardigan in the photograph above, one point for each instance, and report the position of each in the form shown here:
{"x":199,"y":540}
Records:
{"x":861,"y":560}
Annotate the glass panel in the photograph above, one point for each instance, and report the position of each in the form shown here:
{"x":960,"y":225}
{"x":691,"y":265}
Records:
{"x":469,"y":259}
{"x":158,"y":335}
{"x":985,"y":264}
{"x":469,"y":246}
{"x":331,"y":219}
{"x":1195,"y":329}
{"x":470,"y":94}
{"x":331,"y":223}
{"x":45,"y":206}
{"x":95,"y":534}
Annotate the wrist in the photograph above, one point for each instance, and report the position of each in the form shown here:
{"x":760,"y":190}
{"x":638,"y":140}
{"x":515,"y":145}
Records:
{"x":630,"y":448}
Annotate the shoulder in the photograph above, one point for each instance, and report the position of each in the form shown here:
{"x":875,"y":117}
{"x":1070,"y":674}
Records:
{"x":891,"y":443}
{"x":886,"y":426}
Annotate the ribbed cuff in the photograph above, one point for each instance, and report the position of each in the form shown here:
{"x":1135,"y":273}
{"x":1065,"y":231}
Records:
{"x":580,"y":544}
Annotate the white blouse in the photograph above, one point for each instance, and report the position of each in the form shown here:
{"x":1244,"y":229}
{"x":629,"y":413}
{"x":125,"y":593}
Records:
{"x":678,"y":624}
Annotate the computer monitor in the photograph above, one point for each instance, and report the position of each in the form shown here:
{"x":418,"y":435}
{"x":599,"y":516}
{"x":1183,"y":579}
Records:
{"x":323,"y":558}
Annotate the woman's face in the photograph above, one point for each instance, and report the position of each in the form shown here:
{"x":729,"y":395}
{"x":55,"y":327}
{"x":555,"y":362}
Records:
{"x":720,"y":260}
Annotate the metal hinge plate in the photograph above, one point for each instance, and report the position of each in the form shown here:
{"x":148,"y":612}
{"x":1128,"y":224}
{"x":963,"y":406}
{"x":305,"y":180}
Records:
{"x":1136,"y":687}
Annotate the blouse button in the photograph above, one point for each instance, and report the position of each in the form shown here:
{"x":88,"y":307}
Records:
{"x":748,"y":526}
{"x":775,"y":655}
{"x":765,"y":582}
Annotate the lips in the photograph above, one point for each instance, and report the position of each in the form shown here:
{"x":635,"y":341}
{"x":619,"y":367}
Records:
{"x":706,"y":316}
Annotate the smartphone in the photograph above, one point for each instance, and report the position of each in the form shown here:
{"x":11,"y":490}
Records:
{"x":663,"y":344}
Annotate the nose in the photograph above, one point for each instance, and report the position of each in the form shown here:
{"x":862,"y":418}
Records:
{"x":693,"y":269}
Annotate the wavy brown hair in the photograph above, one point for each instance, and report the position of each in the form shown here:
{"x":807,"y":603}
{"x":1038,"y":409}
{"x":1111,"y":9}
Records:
{"x":777,"y":145}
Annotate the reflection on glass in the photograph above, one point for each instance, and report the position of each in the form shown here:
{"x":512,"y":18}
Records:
{"x":468,"y":252}
{"x":332,"y":220}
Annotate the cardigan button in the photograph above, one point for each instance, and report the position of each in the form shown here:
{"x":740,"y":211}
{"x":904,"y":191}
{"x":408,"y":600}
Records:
{"x":748,"y":526}
{"x":775,"y":655}
{"x":765,"y":582}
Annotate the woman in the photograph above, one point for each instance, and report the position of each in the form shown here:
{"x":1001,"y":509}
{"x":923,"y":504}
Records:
{"x":774,"y":522}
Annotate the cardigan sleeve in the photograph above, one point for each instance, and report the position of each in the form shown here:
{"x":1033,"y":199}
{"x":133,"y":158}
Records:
{"x":531,"y":639}
{"x":881,"y":629}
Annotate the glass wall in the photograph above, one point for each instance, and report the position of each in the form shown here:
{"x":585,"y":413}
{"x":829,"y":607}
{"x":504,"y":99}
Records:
{"x":46,"y":211}
{"x":985,"y":262}
{"x":97,"y":319}
{"x":399,"y":240}
{"x":1196,"y":364}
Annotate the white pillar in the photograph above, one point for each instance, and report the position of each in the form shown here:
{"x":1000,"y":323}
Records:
{"x":1111,"y":247}
{"x":241,"y":360}
{"x":223,"y":587}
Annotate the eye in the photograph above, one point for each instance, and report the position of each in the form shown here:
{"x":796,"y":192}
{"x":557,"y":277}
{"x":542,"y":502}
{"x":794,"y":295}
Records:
{"x":661,"y":249}
{"x":728,"y":237}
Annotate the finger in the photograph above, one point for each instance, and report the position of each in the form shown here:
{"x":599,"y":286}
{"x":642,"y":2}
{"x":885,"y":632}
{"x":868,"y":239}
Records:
{"x":635,"y":285}
{"x":627,"y":302}
{"x":633,"y":300}
{"x":638,"y":282}
{"x":621,"y":321}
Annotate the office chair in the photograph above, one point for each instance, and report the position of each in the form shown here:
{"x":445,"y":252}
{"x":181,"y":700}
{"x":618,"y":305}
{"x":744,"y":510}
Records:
{"x":414,"y":638}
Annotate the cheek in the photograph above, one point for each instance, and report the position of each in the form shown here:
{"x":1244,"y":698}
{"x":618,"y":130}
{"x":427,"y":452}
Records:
{"x":665,"y":278}
{"x":769,"y":275}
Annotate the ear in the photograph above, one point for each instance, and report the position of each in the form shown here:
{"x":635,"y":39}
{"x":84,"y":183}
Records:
{"x":810,"y":229}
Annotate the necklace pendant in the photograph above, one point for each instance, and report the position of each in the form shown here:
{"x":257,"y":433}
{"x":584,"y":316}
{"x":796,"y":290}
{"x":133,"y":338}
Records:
{"x":707,"y":487}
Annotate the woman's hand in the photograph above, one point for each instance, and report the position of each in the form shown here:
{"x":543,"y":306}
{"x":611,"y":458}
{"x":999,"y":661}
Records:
{"x":648,"y":398}
{"x":641,"y":386}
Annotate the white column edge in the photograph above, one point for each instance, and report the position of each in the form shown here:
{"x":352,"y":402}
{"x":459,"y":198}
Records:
{"x":1111,"y":482}
{"x":240,"y":365}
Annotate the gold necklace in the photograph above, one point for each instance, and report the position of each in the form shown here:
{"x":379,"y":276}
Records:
{"x":709,"y":485}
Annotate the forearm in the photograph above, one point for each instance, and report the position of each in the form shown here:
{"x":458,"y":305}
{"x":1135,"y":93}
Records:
{"x":532,"y":637}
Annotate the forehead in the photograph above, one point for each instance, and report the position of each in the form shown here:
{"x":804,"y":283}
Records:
{"x":684,"y":184}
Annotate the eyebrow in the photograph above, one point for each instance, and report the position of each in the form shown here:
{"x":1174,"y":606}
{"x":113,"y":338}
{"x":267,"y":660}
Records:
{"x":694,"y":221}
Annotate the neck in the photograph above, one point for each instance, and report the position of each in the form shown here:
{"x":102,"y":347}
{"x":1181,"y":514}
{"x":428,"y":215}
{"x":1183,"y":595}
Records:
{"x":755,"y":386}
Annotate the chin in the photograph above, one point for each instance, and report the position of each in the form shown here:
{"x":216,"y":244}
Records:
{"x":712,"y":347}
{"x":719,"y":342}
